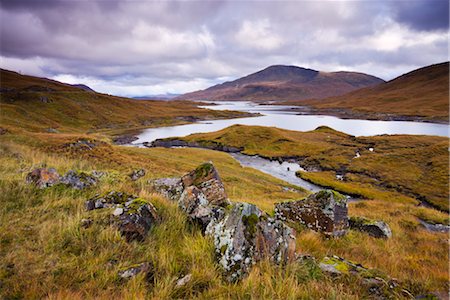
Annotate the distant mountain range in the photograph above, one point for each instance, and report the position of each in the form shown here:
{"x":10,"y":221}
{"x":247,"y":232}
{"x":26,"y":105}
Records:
{"x":422,"y":92}
{"x":167,"y":96}
{"x":286,"y":83}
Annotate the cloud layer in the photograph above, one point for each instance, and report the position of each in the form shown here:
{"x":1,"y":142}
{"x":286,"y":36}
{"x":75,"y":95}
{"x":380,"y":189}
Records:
{"x":138,"y":48}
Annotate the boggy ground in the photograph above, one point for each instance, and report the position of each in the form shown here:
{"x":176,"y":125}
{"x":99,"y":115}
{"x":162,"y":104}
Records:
{"x":45,"y":251}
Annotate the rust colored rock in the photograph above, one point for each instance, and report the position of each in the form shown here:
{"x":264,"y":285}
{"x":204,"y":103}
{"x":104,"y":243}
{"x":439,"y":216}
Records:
{"x":207,"y":179}
{"x":325,"y":211}
{"x":43,"y":178}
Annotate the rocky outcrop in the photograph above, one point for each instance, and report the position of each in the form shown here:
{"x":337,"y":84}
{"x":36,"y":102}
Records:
{"x":378,"y":229}
{"x":78,"y":180}
{"x":136,"y":174}
{"x":325,"y":211}
{"x":246,"y":235}
{"x":131,"y":215}
{"x":378,"y":285}
{"x":212,"y":145}
{"x":143,"y":268}
{"x":206,"y":178}
{"x":170,"y":187}
{"x":124,"y":139}
{"x":43,"y":178}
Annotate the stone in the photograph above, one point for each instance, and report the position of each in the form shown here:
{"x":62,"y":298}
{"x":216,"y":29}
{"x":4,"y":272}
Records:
{"x":3,"y":131}
{"x":78,"y":180}
{"x":136,"y":174}
{"x":378,"y":229}
{"x":52,"y":130}
{"x":325,"y":211}
{"x":194,"y":203}
{"x":246,"y":235}
{"x":43,"y":178}
{"x":207,"y":179}
{"x":183,"y":281}
{"x":118,"y":211}
{"x":109,"y":199}
{"x":145,"y":268}
{"x":136,"y":220}
{"x":86,"y":223}
{"x":171,"y":187}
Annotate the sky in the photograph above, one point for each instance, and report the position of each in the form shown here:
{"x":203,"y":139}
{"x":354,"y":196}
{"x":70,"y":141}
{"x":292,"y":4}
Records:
{"x":138,"y":48}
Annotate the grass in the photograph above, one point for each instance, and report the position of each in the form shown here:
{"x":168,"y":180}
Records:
{"x":413,"y":166}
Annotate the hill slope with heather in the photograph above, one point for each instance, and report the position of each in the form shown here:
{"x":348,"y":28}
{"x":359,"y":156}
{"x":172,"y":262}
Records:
{"x":423,"y":93}
{"x":285,"y":83}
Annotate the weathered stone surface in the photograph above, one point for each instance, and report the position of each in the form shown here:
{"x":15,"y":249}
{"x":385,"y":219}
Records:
{"x":183,"y":281}
{"x":377,"y":284}
{"x":246,"y":235}
{"x":131,"y":215}
{"x":194,"y":203}
{"x":146,"y":268}
{"x":43,"y":178}
{"x":170,"y":188}
{"x":124,"y":139}
{"x":136,"y":174}
{"x":378,"y":229}
{"x":86,"y":223}
{"x":78,"y":180}
{"x":207,"y":179}
{"x":136,"y":219}
{"x":325,"y":211}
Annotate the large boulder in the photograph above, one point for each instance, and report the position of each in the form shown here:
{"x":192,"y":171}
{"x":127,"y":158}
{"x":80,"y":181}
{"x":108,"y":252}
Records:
{"x":325,"y":211}
{"x":207,"y":179}
{"x":246,"y":235}
{"x":378,"y":229}
{"x":79,"y":180}
{"x":194,"y":203}
{"x":170,"y":188}
{"x":43,"y":178}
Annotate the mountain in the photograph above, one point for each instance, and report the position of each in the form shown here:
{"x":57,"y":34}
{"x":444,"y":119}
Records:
{"x":286,"y":83}
{"x":83,"y":87}
{"x":40,"y":104}
{"x":167,"y":96}
{"x":422,"y":92}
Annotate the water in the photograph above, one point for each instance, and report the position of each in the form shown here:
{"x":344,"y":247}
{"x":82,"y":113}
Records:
{"x":284,"y":171}
{"x":283,"y":117}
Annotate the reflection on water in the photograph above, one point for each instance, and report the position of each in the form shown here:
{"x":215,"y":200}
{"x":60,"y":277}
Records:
{"x":282,"y":117}
{"x":284,"y":171}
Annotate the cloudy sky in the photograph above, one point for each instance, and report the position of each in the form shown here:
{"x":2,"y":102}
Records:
{"x":135,"y":48}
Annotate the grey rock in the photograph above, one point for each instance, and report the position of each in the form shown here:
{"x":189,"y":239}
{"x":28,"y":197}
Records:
{"x":246,"y":235}
{"x":86,"y":223}
{"x":146,"y":268}
{"x":170,"y":188}
{"x":325,"y":211}
{"x":52,"y":130}
{"x":135,"y":175}
{"x":78,"y":180}
{"x":378,"y":229}
{"x":118,"y":211}
{"x":183,"y":281}
{"x":43,"y":178}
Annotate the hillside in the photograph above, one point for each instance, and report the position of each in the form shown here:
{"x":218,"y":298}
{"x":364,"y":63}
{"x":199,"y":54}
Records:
{"x":423,"y":93}
{"x":40,"y":104}
{"x":285,"y":83}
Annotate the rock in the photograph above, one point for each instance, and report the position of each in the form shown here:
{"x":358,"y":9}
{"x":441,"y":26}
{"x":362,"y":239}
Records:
{"x":183,"y":281}
{"x":324,"y":211}
{"x":135,"y":175}
{"x":377,"y":284}
{"x":207,"y":179}
{"x":378,"y":229}
{"x":109,"y":199}
{"x":86,"y":223}
{"x":124,"y":139}
{"x":246,"y":235}
{"x":52,"y":130}
{"x":137,"y":218}
{"x":78,"y":180}
{"x":43,"y":178}
{"x":146,"y":268}
{"x":44,"y":99}
{"x":170,"y":188}
{"x":194,"y":203}
{"x":3,"y":131}
{"x":118,"y":211}
{"x":83,"y":145}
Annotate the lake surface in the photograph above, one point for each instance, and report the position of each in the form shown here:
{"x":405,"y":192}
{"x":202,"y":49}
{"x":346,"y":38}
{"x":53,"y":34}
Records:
{"x":283,"y":117}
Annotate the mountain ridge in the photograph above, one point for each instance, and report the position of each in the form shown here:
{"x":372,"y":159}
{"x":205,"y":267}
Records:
{"x":285,"y":82}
